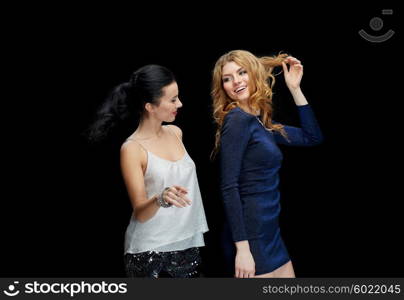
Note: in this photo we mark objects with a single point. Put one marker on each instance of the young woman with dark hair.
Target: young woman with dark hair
(168, 221)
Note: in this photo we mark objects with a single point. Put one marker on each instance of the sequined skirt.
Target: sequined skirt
(155, 264)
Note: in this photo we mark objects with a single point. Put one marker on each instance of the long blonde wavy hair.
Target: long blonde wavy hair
(260, 84)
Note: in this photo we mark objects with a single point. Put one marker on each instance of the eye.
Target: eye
(242, 72)
(226, 79)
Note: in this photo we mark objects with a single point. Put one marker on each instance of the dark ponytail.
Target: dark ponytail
(125, 105)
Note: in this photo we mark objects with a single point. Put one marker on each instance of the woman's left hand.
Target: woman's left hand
(294, 75)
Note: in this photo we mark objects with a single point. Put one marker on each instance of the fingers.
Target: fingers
(285, 68)
(244, 272)
(293, 62)
(181, 192)
(177, 197)
(239, 273)
(180, 188)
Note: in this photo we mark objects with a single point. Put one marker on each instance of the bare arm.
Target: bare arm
(298, 97)
(293, 77)
(132, 159)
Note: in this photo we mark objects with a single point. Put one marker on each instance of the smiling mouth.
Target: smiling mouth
(240, 90)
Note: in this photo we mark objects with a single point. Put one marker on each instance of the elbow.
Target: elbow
(316, 140)
(228, 187)
(227, 191)
(141, 218)
(319, 139)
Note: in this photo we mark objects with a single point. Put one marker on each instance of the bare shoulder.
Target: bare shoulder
(176, 129)
(132, 152)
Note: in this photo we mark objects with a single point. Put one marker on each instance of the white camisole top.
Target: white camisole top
(172, 228)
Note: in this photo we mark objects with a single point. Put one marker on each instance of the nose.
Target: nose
(237, 80)
(179, 103)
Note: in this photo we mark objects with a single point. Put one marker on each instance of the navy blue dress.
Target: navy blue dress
(250, 161)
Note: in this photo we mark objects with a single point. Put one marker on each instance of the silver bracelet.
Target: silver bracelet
(160, 200)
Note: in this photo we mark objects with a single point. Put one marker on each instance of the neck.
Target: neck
(149, 128)
(244, 106)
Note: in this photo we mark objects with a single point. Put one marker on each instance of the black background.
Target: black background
(64, 207)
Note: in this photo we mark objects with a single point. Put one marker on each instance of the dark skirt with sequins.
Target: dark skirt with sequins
(156, 264)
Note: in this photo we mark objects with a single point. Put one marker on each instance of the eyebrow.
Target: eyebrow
(236, 72)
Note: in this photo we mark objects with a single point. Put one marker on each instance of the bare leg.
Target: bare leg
(284, 271)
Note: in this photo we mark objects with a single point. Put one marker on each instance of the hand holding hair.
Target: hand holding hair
(294, 74)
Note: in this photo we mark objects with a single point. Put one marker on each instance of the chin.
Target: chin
(243, 99)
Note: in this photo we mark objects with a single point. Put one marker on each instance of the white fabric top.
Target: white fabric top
(172, 228)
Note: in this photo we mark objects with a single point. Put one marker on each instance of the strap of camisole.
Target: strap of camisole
(173, 132)
(131, 139)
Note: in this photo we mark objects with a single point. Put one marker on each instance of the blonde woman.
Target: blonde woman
(250, 159)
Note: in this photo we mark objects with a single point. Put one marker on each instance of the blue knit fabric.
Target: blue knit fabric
(250, 160)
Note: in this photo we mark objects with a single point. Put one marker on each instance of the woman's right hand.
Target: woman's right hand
(176, 195)
(244, 265)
